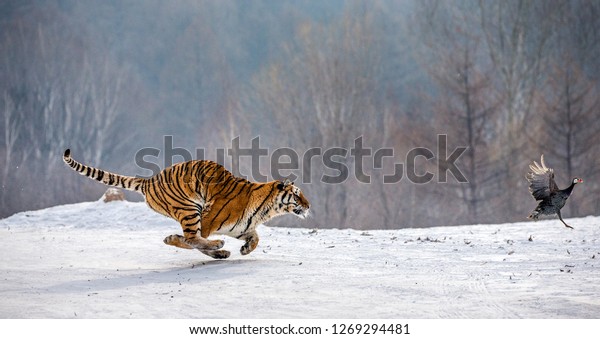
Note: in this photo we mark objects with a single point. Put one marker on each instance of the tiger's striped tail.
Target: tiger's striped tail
(107, 178)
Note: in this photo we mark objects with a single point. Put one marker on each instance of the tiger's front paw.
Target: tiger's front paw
(173, 240)
(248, 247)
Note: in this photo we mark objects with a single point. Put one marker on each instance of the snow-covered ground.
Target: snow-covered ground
(107, 260)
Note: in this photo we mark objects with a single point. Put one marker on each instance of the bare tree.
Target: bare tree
(11, 127)
(466, 108)
(454, 56)
(567, 128)
(57, 93)
(517, 35)
(326, 96)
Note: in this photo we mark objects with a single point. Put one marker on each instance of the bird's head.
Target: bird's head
(577, 180)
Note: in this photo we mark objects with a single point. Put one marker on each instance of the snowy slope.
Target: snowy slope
(97, 260)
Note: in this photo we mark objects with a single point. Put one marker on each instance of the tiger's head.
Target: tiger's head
(291, 200)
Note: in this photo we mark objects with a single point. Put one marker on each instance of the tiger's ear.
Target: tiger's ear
(284, 184)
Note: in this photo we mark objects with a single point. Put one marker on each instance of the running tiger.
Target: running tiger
(207, 199)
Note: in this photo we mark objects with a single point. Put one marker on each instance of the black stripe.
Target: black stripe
(188, 208)
(221, 210)
(176, 187)
(226, 189)
(224, 221)
(191, 216)
(285, 195)
(265, 212)
(193, 223)
(166, 191)
(258, 209)
(160, 201)
(223, 187)
(100, 175)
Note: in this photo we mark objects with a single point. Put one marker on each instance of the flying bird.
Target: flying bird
(544, 189)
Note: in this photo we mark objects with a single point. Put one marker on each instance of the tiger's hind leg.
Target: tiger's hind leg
(193, 243)
(191, 238)
(179, 241)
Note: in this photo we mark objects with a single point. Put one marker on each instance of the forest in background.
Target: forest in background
(510, 80)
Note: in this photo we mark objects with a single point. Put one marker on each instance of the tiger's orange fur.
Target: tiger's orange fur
(207, 199)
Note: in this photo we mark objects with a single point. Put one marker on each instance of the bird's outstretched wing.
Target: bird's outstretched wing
(541, 180)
